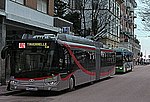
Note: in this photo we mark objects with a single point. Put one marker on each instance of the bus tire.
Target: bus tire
(71, 84)
(131, 68)
(125, 70)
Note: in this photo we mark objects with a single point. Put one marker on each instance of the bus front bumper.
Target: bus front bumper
(33, 87)
(119, 69)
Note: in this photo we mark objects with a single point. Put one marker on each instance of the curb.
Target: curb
(5, 92)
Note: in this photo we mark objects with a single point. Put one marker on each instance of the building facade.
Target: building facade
(127, 37)
(112, 37)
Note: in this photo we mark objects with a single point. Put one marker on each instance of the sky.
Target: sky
(141, 33)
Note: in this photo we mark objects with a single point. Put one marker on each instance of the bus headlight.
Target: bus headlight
(51, 83)
(13, 82)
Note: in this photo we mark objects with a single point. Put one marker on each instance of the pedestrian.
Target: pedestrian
(137, 61)
(141, 61)
(8, 86)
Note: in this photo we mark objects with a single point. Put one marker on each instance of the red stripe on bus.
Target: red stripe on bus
(107, 50)
(78, 63)
(40, 78)
(67, 77)
(84, 47)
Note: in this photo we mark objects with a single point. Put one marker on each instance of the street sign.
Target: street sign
(66, 30)
(22, 45)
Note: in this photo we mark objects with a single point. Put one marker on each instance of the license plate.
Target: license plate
(31, 89)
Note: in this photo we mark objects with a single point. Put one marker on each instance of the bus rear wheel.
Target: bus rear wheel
(71, 84)
(131, 68)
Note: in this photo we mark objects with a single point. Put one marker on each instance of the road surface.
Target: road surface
(130, 87)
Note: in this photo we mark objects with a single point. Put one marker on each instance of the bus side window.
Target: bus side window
(64, 60)
(67, 59)
(61, 58)
(5, 52)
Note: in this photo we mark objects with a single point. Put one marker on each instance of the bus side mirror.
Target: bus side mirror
(4, 52)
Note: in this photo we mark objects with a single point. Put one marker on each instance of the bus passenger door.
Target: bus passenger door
(64, 60)
(64, 66)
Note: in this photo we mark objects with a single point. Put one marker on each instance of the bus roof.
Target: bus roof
(75, 39)
(121, 50)
(124, 51)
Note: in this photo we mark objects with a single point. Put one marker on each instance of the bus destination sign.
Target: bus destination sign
(23, 45)
(38, 44)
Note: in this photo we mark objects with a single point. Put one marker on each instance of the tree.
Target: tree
(74, 17)
(89, 17)
(60, 8)
(145, 14)
(95, 18)
(100, 17)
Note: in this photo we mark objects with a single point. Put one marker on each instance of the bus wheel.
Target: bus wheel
(125, 70)
(131, 68)
(71, 84)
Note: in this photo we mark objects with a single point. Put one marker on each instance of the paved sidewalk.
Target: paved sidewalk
(3, 89)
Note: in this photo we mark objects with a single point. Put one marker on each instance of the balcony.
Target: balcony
(128, 5)
(127, 33)
(130, 20)
(135, 25)
(131, 9)
(2, 12)
(2, 4)
(135, 16)
(121, 1)
(134, 3)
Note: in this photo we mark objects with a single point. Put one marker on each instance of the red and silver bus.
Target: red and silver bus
(58, 63)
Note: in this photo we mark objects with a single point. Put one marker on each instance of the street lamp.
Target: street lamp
(143, 19)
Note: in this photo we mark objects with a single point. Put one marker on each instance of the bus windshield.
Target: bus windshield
(119, 59)
(35, 62)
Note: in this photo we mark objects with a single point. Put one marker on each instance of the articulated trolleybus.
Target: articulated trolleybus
(45, 63)
(124, 60)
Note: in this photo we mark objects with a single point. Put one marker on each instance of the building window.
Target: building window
(42, 5)
(19, 1)
(117, 10)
